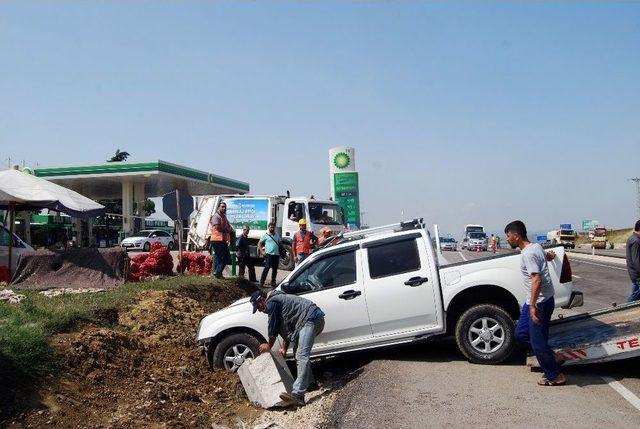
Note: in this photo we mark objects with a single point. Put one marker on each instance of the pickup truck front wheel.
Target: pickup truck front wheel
(485, 334)
(232, 351)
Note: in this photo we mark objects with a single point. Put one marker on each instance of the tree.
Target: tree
(119, 156)
(149, 207)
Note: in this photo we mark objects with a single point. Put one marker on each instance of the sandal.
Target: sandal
(545, 382)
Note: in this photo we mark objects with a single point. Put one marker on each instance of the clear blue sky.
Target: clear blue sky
(462, 113)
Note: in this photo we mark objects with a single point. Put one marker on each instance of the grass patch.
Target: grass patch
(26, 328)
(619, 235)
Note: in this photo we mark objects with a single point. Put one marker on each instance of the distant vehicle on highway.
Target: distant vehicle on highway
(472, 228)
(565, 236)
(143, 240)
(478, 240)
(599, 239)
(464, 243)
(448, 244)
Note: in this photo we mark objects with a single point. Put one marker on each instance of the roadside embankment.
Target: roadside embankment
(123, 358)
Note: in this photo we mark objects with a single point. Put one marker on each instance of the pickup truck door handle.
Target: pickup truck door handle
(416, 281)
(349, 294)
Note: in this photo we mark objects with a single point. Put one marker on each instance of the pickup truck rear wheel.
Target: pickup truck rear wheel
(485, 334)
(232, 350)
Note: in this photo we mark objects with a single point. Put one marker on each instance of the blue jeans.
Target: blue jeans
(301, 257)
(536, 337)
(306, 338)
(635, 291)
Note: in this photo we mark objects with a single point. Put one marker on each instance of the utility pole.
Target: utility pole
(637, 181)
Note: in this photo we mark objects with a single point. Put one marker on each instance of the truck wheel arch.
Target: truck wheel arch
(211, 343)
(483, 294)
(235, 330)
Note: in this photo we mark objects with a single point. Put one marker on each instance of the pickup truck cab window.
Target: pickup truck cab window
(335, 270)
(393, 258)
(334, 282)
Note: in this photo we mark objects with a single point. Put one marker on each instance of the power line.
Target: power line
(637, 181)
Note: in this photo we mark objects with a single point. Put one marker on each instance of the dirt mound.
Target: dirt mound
(145, 371)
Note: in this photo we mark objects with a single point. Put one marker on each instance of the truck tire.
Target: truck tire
(232, 350)
(485, 334)
(287, 263)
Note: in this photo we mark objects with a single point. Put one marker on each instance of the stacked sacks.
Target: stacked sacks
(5, 276)
(158, 262)
(195, 263)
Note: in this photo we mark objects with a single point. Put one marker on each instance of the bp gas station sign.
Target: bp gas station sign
(346, 195)
(344, 182)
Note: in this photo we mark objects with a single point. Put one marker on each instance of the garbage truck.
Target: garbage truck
(257, 211)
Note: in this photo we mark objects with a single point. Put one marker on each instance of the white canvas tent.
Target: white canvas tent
(21, 191)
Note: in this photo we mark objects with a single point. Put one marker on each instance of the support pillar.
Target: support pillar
(92, 237)
(26, 216)
(127, 207)
(77, 226)
(138, 193)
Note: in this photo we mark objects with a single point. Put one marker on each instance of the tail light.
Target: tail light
(565, 274)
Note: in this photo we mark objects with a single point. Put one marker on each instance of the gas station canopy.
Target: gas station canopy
(106, 181)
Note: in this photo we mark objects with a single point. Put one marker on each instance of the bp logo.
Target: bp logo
(341, 160)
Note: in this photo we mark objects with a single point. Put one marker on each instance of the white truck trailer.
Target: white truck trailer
(256, 211)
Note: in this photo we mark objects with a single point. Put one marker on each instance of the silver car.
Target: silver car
(477, 240)
(448, 244)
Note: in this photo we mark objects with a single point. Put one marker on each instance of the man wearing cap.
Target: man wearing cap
(297, 320)
(303, 241)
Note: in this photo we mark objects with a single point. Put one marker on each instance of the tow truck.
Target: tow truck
(604, 335)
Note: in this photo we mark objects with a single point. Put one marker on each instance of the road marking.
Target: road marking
(462, 256)
(575, 277)
(623, 391)
(600, 265)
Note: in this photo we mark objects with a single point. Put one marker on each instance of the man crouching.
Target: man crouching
(296, 320)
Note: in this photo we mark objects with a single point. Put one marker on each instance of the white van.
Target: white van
(19, 247)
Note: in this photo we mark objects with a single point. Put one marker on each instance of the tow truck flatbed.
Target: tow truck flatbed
(599, 336)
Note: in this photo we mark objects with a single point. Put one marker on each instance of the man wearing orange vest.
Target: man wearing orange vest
(303, 241)
(220, 239)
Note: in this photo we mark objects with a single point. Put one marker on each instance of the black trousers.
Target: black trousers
(270, 262)
(245, 261)
(222, 257)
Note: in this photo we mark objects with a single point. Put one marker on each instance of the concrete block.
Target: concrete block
(265, 378)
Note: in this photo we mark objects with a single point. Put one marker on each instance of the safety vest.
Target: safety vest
(303, 244)
(224, 224)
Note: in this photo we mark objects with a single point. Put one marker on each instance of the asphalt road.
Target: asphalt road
(431, 385)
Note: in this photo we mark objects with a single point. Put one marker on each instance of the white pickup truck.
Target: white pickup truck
(384, 286)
